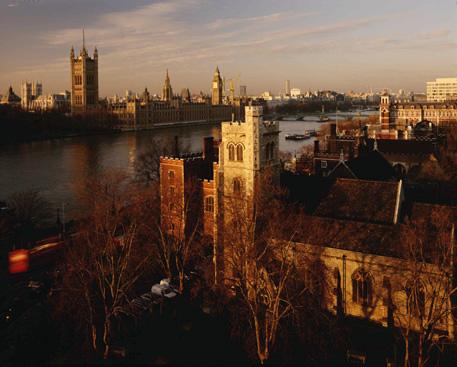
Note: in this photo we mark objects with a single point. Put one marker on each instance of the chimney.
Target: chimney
(208, 148)
(316, 147)
(333, 130)
(176, 146)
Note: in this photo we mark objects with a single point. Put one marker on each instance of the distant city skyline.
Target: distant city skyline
(315, 44)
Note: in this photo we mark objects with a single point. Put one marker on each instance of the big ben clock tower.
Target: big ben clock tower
(216, 96)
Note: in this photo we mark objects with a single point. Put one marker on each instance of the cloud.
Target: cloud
(262, 19)
(145, 41)
(190, 37)
(436, 33)
(22, 2)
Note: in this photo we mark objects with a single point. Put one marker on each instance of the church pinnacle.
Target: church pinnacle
(167, 92)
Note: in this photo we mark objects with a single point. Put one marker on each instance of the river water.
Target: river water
(57, 167)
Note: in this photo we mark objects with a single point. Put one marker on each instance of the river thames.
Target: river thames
(56, 167)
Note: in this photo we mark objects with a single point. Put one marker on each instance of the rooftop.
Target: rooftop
(360, 200)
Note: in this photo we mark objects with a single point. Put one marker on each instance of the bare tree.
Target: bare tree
(260, 265)
(28, 211)
(147, 166)
(178, 244)
(423, 305)
(104, 262)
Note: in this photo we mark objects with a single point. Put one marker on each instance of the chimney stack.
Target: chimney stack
(333, 130)
(176, 146)
(208, 148)
(316, 147)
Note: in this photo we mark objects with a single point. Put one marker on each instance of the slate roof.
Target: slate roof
(431, 212)
(369, 238)
(372, 165)
(398, 146)
(374, 239)
(369, 165)
(360, 200)
(10, 97)
(342, 170)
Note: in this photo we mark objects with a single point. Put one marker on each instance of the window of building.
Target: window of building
(78, 79)
(171, 176)
(312, 280)
(267, 151)
(209, 204)
(231, 149)
(362, 288)
(323, 164)
(415, 298)
(239, 153)
(236, 186)
(171, 192)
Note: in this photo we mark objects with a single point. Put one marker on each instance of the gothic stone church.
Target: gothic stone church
(357, 233)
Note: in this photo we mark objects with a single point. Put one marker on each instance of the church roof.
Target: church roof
(361, 200)
(372, 165)
(10, 97)
(427, 212)
(375, 239)
(369, 238)
(342, 170)
(429, 169)
(413, 146)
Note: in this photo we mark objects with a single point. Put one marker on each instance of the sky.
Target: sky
(316, 44)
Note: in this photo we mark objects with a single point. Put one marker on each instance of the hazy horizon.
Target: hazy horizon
(315, 44)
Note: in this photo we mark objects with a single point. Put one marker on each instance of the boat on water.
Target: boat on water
(297, 136)
(322, 117)
(311, 133)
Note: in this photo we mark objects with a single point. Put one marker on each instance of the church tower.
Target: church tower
(248, 149)
(84, 80)
(167, 92)
(248, 158)
(216, 95)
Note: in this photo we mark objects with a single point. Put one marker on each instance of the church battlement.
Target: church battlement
(183, 157)
(207, 182)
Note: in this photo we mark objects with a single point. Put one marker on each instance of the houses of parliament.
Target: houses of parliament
(144, 112)
(84, 81)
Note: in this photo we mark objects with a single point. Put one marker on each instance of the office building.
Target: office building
(442, 90)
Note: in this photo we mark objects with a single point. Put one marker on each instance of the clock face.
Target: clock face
(214, 84)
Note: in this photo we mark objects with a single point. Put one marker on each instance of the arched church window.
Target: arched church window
(272, 150)
(236, 186)
(231, 149)
(267, 151)
(415, 298)
(362, 288)
(209, 204)
(239, 153)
